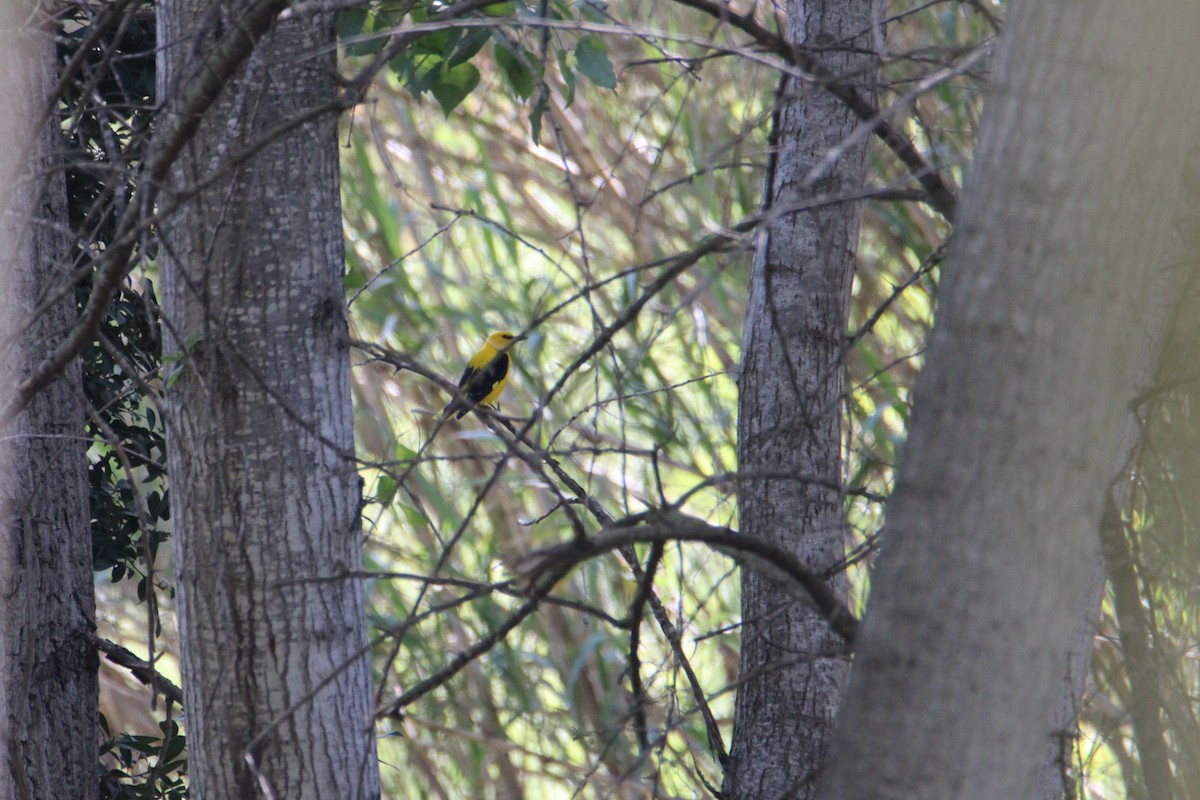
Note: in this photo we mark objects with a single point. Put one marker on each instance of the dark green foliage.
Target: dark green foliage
(106, 112)
(438, 63)
(514, 61)
(136, 767)
(106, 116)
(128, 340)
(443, 62)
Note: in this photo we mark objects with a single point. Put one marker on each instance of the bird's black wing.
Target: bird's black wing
(466, 376)
(477, 384)
(456, 403)
(481, 382)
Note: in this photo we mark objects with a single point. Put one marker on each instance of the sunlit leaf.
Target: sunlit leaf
(454, 86)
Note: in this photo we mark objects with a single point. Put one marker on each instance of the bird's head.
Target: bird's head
(502, 339)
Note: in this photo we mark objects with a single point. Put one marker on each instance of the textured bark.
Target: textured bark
(264, 491)
(792, 667)
(48, 689)
(1057, 772)
(1019, 414)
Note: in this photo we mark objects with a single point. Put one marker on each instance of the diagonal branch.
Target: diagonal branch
(139, 668)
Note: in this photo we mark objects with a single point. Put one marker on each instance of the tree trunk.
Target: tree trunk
(1020, 413)
(48, 688)
(793, 667)
(265, 495)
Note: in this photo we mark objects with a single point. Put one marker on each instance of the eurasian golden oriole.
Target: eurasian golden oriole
(485, 375)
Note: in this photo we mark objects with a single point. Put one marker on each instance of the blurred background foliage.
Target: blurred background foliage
(536, 169)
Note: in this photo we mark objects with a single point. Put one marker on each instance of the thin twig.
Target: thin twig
(942, 196)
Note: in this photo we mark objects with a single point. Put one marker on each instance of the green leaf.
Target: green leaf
(420, 72)
(593, 10)
(351, 22)
(440, 43)
(362, 26)
(568, 76)
(385, 490)
(515, 70)
(504, 9)
(535, 116)
(413, 515)
(591, 56)
(456, 83)
(472, 41)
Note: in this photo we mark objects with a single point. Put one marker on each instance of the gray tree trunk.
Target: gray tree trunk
(793, 668)
(1020, 413)
(48, 683)
(265, 495)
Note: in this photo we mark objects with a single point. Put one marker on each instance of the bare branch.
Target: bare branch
(666, 526)
(140, 669)
(941, 195)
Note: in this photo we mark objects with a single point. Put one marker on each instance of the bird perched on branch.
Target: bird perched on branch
(485, 375)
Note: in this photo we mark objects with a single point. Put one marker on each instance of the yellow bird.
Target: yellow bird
(485, 375)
